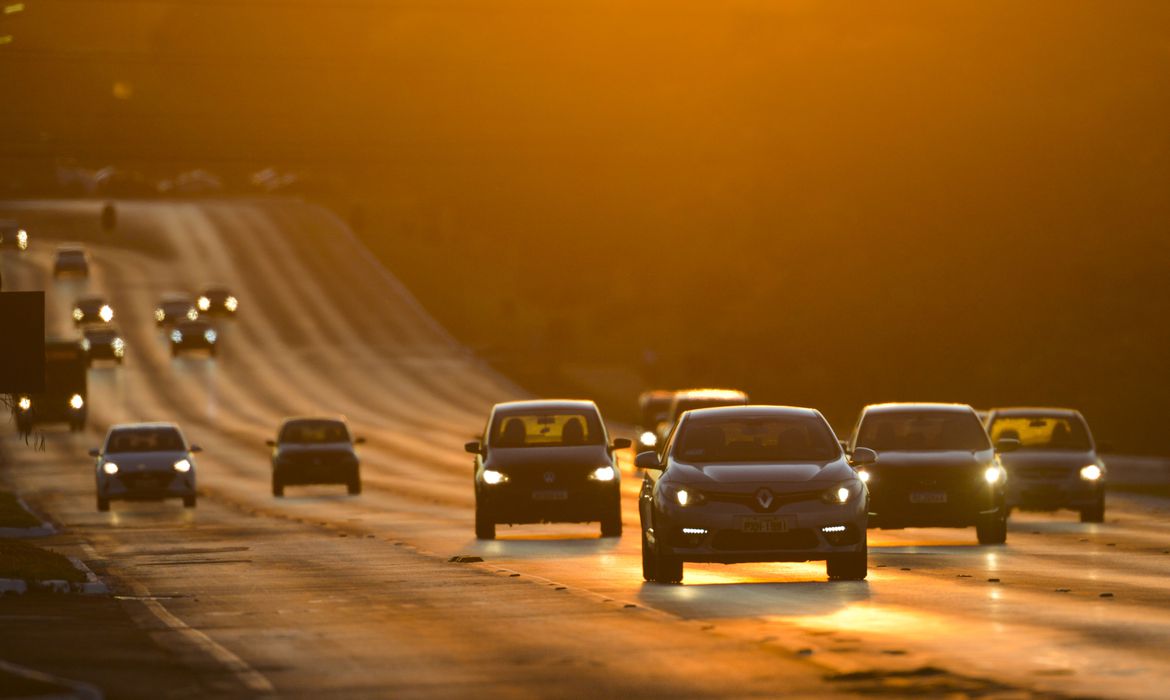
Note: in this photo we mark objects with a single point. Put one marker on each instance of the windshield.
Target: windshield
(913, 431)
(547, 429)
(766, 439)
(1043, 432)
(312, 432)
(145, 440)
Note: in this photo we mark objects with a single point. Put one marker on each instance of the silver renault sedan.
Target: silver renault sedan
(752, 484)
(145, 462)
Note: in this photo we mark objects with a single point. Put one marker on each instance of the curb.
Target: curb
(92, 585)
(70, 690)
(43, 530)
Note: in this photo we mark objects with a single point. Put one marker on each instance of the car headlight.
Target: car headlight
(842, 493)
(22, 239)
(1091, 472)
(492, 477)
(231, 303)
(864, 475)
(76, 402)
(106, 313)
(192, 314)
(160, 315)
(110, 468)
(78, 314)
(183, 465)
(24, 403)
(204, 303)
(994, 474)
(209, 335)
(683, 496)
(176, 336)
(648, 439)
(119, 346)
(85, 344)
(606, 473)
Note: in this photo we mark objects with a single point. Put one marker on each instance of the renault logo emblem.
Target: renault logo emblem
(550, 477)
(764, 498)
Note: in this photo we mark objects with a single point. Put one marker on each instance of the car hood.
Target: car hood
(131, 462)
(542, 457)
(314, 448)
(937, 459)
(752, 473)
(1048, 458)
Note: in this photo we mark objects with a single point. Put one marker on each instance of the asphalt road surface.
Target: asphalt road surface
(323, 593)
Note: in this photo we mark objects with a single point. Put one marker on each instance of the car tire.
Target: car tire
(1094, 513)
(188, 501)
(667, 567)
(277, 488)
(103, 504)
(853, 566)
(354, 487)
(611, 525)
(992, 530)
(649, 563)
(485, 527)
(174, 351)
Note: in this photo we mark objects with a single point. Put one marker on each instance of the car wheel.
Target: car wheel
(277, 488)
(103, 504)
(485, 528)
(188, 501)
(992, 530)
(611, 525)
(649, 563)
(669, 568)
(853, 566)
(1094, 513)
(354, 487)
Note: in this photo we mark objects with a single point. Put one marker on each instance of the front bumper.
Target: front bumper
(146, 485)
(896, 506)
(520, 504)
(48, 415)
(1049, 494)
(303, 474)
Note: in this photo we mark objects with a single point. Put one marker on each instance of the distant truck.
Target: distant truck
(66, 389)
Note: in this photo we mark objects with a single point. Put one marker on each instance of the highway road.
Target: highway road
(322, 593)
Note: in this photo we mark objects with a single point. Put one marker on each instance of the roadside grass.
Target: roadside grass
(20, 560)
(1159, 490)
(12, 514)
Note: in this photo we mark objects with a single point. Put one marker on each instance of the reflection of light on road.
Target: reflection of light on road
(876, 619)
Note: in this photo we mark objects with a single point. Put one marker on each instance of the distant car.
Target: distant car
(1056, 465)
(193, 335)
(145, 461)
(70, 261)
(66, 389)
(315, 451)
(217, 301)
(103, 343)
(935, 467)
(174, 308)
(752, 484)
(12, 236)
(653, 408)
(92, 309)
(546, 462)
(690, 399)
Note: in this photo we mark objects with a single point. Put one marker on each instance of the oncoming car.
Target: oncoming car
(174, 308)
(13, 236)
(71, 261)
(690, 399)
(752, 484)
(145, 461)
(92, 309)
(217, 301)
(1056, 465)
(653, 409)
(546, 462)
(315, 451)
(193, 335)
(103, 343)
(935, 467)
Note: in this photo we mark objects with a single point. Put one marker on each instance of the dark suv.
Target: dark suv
(315, 451)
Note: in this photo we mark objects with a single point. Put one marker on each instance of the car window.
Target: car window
(922, 431)
(547, 429)
(756, 439)
(1042, 432)
(145, 440)
(310, 432)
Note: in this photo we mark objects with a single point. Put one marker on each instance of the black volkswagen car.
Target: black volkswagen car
(935, 467)
(546, 462)
(315, 451)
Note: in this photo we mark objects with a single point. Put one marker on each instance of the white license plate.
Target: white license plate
(550, 495)
(766, 524)
(928, 497)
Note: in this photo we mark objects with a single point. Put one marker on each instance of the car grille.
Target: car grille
(147, 481)
(736, 541)
(561, 477)
(749, 500)
(1042, 472)
(320, 459)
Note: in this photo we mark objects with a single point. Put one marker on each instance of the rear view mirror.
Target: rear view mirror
(95, 453)
(359, 441)
(622, 443)
(474, 448)
(1006, 444)
(270, 443)
(647, 460)
(863, 455)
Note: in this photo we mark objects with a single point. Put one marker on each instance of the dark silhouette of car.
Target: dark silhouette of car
(174, 308)
(690, 399)
(144, 462)
(189, 336)
(12, 236)
(70, 261)
(546, 461)
(653, 408)
(311, 450)
(1056, 465)
(752, 484)
(103, 343)
(935, 467)
(217, 301)
(92, 309)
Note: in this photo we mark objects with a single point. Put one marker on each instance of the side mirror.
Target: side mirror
(474, 448)
(863, 455)
(647, 460)
(1006, 444)
(622, 443)
(195, 448)
(95, 453)
(359, 441)
(270, 443)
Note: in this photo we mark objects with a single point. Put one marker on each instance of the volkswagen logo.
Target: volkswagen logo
(764, 498)
(550, 477)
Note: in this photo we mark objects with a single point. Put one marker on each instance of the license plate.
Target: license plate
(928, 497)
(771, 524)
(550, 495)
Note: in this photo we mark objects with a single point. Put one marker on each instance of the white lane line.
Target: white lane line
(251, 678)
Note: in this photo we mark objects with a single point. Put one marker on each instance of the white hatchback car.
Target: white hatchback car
(145, 462)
